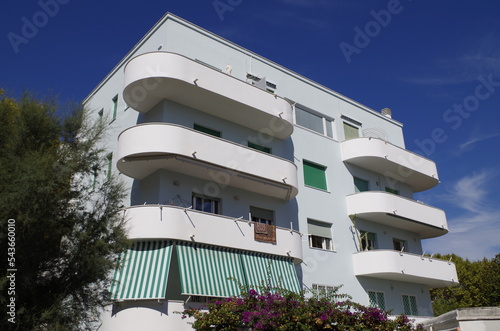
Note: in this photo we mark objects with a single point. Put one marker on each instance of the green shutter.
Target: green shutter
(206, 130)
(319, 229)
(390, 190)
(259, 147)
(143, 271)
(314, 175)
(360, 185)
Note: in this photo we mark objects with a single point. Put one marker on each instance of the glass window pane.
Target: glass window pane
(350, 131)
(309, 120)
(329, 128)
(360, 185)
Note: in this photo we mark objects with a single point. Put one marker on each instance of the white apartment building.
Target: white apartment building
(238, 167)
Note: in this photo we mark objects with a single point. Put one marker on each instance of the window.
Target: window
(399, 245)
(410, 305)
(101, 114)
(323, 289)
(350, 131)
(320, 235)
(259, 147)
(361, 185)
(329, 127)
(208, 205)
(314, 175)
(390, 190)
(260, 215)
(109, 157)
(368, 240)
(206, 130)
(313, 122)
(377, 299)
(115, 107)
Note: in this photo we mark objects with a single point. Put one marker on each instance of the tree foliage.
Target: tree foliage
(68, 229)
(278, 309)
(479, 285)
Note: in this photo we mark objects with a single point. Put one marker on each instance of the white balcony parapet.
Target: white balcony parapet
(399, 212)
(405, 267)
(154, 76)
(391, 161)
(147, 222)
(145, 148)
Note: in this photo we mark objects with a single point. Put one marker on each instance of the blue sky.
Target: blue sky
(436, 64)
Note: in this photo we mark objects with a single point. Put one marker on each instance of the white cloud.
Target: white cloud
(474, 233)
(469, 144)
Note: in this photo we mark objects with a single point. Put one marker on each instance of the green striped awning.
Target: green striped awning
(204, 270)
(143, 272)
(275, 271)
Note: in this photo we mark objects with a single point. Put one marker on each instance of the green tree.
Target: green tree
(479, 285)
(63, 213)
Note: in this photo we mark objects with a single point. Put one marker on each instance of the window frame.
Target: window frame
(312, 182)
(376, 302)
(319, 240)
(207, 130)
(260, 219)
(401, 242)
(366, 243)
(356, 190)
(115, 107)
(260, 148)
(327, 128)
(412, 305)
(351, 126)
(215, 203)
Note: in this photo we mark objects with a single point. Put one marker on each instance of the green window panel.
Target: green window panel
(314, 175)
(206, 130)
(361, 185)
(259, 147)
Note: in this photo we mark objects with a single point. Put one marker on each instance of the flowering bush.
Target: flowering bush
(285, 310)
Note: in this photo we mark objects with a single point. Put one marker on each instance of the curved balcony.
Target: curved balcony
(151, 77)
(391, 161)
(405, 267)
(172, 222)
(143, 149)
(399, 212)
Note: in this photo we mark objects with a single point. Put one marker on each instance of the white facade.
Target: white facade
(313, 163)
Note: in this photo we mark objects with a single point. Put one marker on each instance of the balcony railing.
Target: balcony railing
(399, 212)
(145, 148)
(154, 76)
(391, 161)
(405, 267)
(172, 222)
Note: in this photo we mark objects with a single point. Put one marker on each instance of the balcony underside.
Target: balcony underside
(405, 267)
(398, 212)
(152, 77)
(391, 161)
(144, 149)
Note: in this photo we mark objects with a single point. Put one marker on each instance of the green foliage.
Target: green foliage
(278, 309)
(479, 285)
(67, 226)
